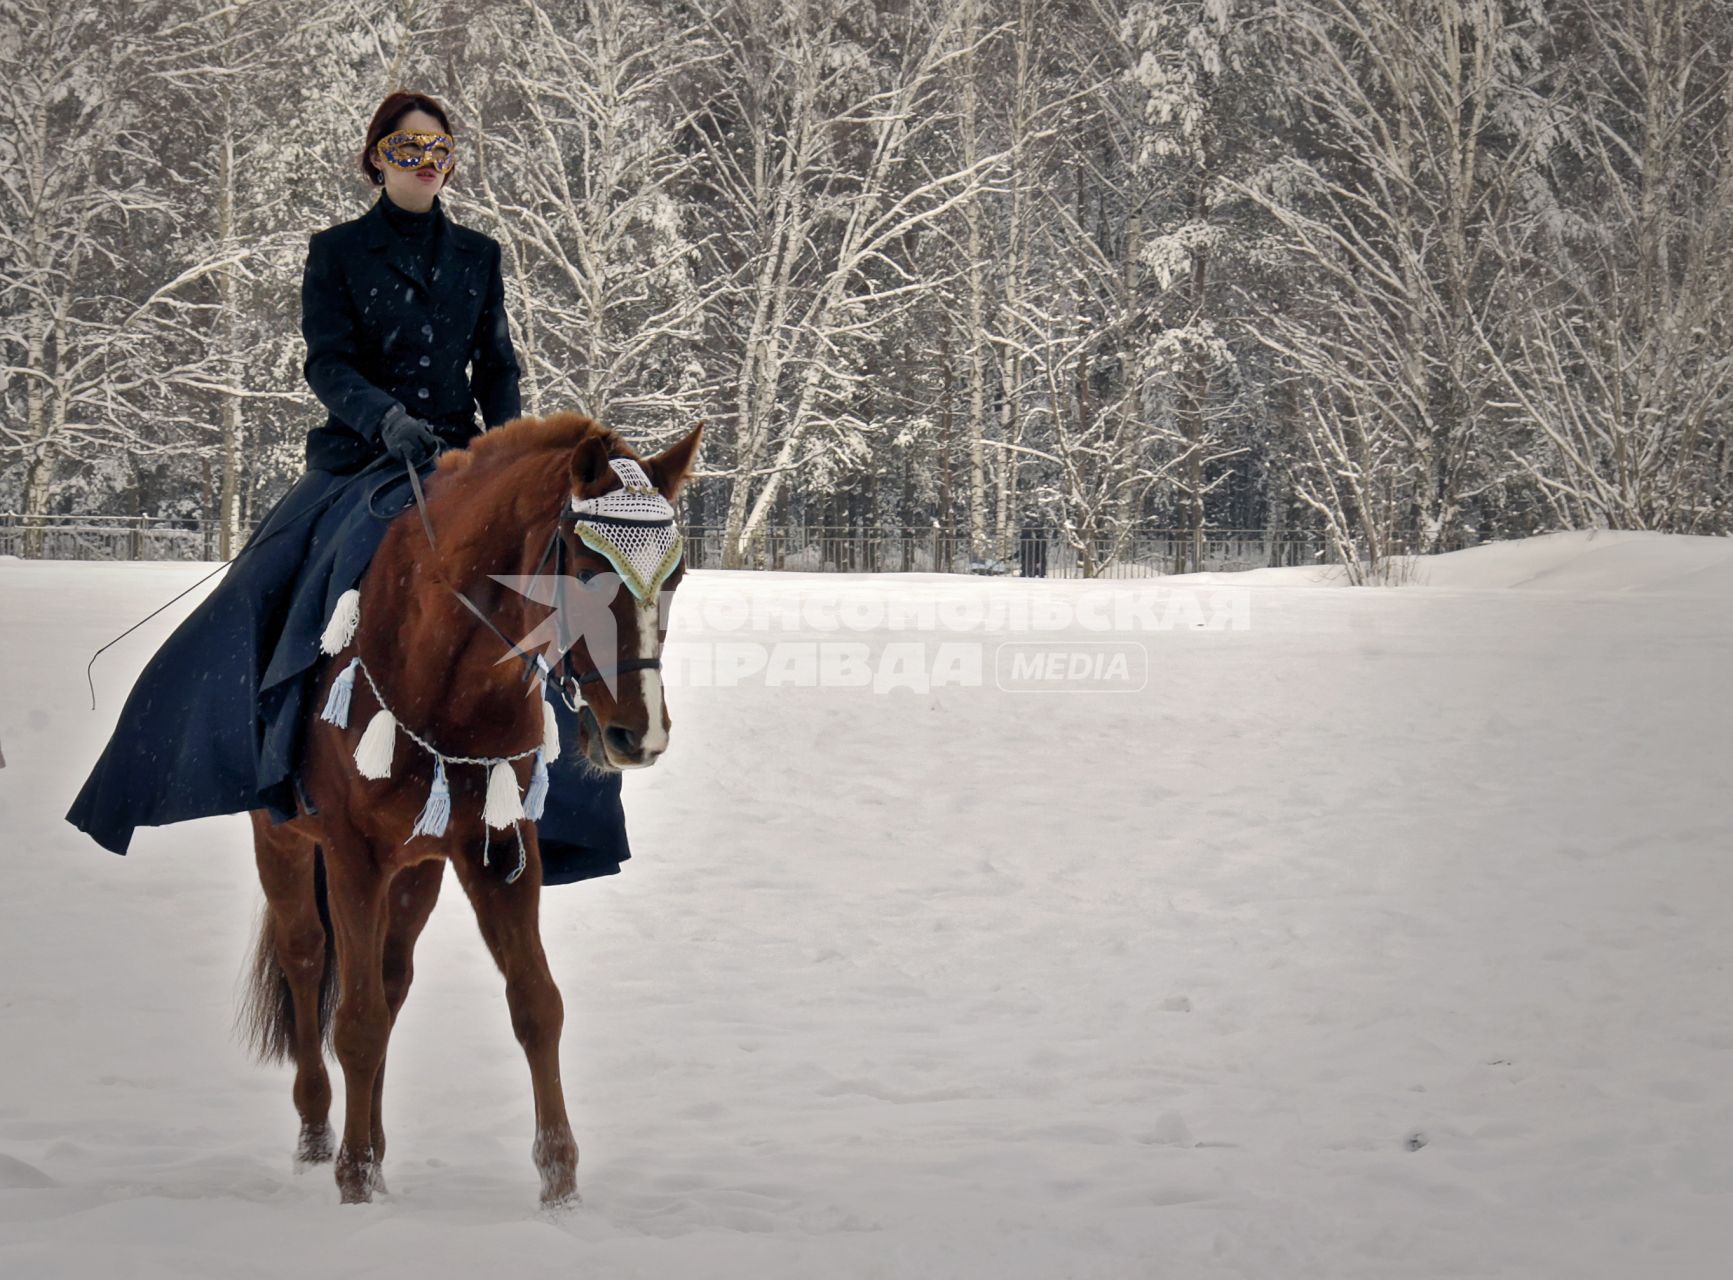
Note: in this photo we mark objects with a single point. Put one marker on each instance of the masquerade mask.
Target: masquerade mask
(632, 528)
(407, 149)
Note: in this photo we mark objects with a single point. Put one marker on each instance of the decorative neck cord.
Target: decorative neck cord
(633, 529)
(503, 806)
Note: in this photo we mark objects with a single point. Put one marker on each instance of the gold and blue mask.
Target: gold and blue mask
(412, 149)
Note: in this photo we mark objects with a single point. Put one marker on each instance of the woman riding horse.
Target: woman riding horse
(393, 305)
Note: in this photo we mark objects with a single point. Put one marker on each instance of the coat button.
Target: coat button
(422, 393)
(425, 361)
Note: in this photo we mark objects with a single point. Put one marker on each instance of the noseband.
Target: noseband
(562, 676)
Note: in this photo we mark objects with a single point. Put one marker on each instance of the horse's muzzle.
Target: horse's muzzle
(625, 748)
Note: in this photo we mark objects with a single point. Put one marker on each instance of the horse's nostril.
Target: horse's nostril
(625, 742)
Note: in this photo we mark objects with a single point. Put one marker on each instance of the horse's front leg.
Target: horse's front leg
(362, 1024)
(409, 902)
(508, 916)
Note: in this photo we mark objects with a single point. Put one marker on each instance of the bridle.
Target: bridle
(562, 675)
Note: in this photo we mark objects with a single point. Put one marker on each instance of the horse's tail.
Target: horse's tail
(267, 1019)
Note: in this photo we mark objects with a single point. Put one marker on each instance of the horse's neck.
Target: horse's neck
(472, 703)
(445, 661)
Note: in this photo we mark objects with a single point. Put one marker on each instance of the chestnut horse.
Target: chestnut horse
(347, 890)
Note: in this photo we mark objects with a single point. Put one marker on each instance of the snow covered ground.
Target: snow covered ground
(1379, 933)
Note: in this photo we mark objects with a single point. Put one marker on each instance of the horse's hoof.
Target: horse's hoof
(559, 1188)
(376, 1180)
(559, 1204)
(556, 1156)
(354, 1177)
(315, 1146)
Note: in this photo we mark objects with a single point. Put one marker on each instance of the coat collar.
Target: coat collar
(449, 240)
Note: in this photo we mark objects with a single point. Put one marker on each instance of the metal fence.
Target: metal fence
(108, 537)
(816, 549)
(1033, 553)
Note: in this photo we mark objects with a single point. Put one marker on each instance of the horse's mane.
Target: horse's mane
(511, 442)
(515, 475)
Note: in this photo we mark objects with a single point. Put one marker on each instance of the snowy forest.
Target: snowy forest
(1405, 274)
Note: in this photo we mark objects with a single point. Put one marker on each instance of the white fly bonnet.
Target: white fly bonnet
(632, 528)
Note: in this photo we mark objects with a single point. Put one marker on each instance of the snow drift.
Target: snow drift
(1381, 936)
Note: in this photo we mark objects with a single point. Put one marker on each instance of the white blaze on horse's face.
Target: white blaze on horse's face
(650, 646)
(628, 742)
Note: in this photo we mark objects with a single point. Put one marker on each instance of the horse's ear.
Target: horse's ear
(589, 464)
(668, 470)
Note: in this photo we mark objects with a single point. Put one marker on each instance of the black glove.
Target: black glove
(407, 438)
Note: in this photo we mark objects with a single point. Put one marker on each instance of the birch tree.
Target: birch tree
(72, 191)
(1404, 273)
(580, 168)
(1425, 116)
(217, 77)
(1189, 125)
(977, 341)
(1619, 353)
(813, 140)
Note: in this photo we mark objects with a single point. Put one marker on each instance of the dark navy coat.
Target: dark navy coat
(378, 333)
(214, 723)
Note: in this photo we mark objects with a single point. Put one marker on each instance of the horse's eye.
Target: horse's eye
(584, 575)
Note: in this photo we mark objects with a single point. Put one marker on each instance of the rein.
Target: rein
(569, 683)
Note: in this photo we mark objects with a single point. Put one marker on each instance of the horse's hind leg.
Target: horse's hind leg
(363, 1022)
(507, 914)
(410, 902)
(293, 983)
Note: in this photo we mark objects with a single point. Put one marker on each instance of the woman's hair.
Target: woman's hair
(394, 108)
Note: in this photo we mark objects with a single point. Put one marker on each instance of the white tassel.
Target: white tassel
(344, 619)
(536, 797)
(504, 805)
(550, 732)
(436, 813)
(337, 702)
(373, 753)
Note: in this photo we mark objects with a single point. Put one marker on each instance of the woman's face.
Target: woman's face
(413, 188)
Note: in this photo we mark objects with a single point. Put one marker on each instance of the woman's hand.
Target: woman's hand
(407, 438)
